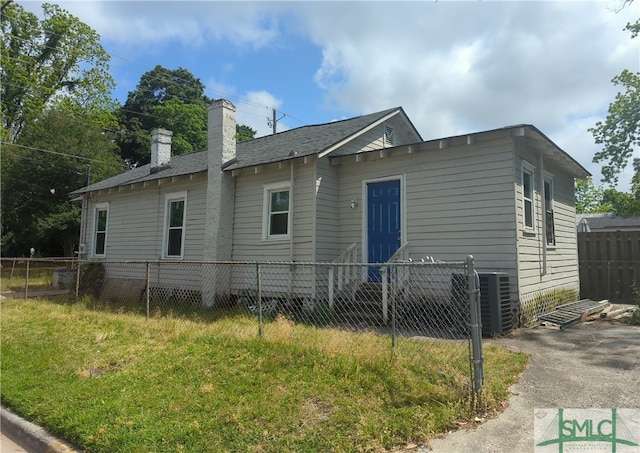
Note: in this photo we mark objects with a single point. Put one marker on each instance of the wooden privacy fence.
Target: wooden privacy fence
(609, 265)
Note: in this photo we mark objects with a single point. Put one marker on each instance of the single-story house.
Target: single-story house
(505, 196)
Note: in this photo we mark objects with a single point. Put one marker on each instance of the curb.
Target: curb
(30, 436)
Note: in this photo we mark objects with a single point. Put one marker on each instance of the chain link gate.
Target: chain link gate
(425, 314)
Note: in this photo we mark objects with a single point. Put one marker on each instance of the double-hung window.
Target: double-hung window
(175, 224)
(550, 231)
(276, 223)
(528, 197)
(101, 216)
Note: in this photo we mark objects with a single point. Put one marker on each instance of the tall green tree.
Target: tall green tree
(592, 199)
(171, 99)
(244, 133)
(619, 133)
(588, 197)
(56, 61)
(188, 123)
(54, 156)
(622, 203)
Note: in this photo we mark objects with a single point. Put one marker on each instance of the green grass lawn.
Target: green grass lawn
(16, 281)
(117, 382)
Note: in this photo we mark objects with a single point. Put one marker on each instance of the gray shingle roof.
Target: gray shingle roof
(303, 141)
(606, 220)
(180, 165)
(299, 142)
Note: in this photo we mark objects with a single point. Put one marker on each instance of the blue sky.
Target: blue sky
(454, 66)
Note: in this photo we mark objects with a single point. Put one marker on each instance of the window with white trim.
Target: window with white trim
(528, 208)
(276, 219)
(550, 231)
(175, 225)
(101, 217)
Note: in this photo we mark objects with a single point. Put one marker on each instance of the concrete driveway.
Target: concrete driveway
(588, 365)
(9, 446)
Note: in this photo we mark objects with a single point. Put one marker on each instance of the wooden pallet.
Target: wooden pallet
(572, 313)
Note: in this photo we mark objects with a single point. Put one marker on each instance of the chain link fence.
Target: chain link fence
(416, 313)
(22, 277)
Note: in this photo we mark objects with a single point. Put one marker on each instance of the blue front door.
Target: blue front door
(383, 223)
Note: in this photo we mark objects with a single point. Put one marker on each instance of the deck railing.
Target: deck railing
(345, 275)
(402, 255)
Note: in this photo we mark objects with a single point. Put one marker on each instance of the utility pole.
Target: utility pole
(273, 122)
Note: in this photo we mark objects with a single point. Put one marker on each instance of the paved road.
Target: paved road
(9, 446)
(588, 365)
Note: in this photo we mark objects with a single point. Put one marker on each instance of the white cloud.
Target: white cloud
(464, 67)
(148, 24)
(217, 90)
(455, 67)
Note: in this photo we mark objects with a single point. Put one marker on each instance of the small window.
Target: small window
(389, 138)
(550, 231)
(100, 238)
(175, 221)
(276, 209)
(527, 197)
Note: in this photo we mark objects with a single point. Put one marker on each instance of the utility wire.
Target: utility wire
(52, 152)
(58, 169)
(122, 132)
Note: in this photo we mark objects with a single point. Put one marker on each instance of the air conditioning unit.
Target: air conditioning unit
(495, 303)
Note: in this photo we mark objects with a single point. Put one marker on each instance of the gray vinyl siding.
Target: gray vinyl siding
(459, 201)
(327, 219)
(562, 260)
(248, 244)
(304, 208)
(135, 224)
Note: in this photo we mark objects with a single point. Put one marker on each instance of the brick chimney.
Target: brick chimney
(160, 149)
(221, 131)
(221, 127)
